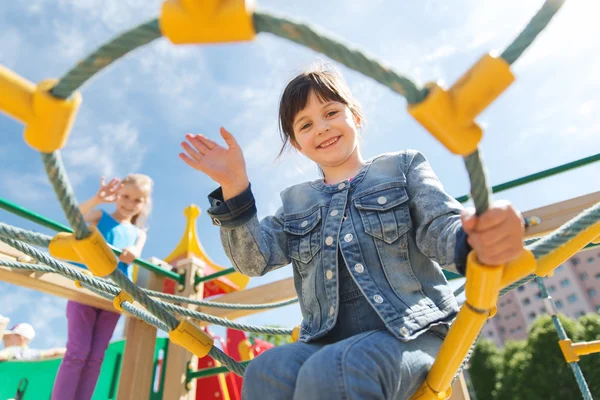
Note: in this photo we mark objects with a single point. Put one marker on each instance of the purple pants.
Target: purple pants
(90, 330)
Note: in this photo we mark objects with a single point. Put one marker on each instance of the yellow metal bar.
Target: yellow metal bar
(481, 290)
(462, 334)
(571, 351)
(16, 95)
(585, 348)
(550, 261)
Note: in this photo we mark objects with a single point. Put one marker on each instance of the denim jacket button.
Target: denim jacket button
(304, 224)
(216, 222)
(404, 331)
(329, 274)
(381, 200)
(348, 237)
(341, 185)
(333, 213)
(329, 241)
(378, 299)
(331, 311)
(359, 268)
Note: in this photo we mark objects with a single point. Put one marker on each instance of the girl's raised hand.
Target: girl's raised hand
(108, 192)
(225, 165)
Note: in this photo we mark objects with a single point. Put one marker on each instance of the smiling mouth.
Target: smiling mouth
(329, 143)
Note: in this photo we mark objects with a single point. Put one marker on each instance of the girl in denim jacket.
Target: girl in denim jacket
(366, 244)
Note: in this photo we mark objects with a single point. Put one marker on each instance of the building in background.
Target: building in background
(575, 289)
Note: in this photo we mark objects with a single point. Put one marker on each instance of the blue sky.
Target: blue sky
(135, 114)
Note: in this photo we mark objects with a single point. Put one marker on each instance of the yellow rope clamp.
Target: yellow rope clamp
(295, 333)
(207, 21)
(47, 119)
(85, 272)
(449, 114)
(120, 298)
(572, 351)
(91, 251)
(192, 338)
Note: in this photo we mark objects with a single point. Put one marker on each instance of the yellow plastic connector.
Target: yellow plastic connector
(85, 272)
(47, 119)
(17, 95)
(91, 251)
(192, 338)
(120, 298)
(483, 283)
(450, 114)
(572, 351)
(207, 21)
(53, 117)
(296, 333)
(519, 268)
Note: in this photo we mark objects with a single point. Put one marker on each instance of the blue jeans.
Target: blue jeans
(358, 359)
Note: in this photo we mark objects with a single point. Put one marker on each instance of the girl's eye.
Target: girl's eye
(332, 113)
(305, 126)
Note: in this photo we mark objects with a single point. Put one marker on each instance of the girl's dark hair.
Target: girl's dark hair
(326, 83)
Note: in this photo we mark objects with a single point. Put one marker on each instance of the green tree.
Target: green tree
(590, 364)
(536, 368)
(487, 361)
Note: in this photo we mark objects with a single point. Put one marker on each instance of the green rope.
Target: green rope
(57, 266)
(353, 58)
(224, 322)
(480, 190)
(42, 240)
(31, 216)
(214, 304)
(538, 176)
(64, 191)
(104, 56)
(532, 30)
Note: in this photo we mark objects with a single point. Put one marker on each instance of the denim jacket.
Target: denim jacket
(395, 227)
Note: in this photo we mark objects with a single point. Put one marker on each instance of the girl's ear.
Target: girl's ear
(357, 120)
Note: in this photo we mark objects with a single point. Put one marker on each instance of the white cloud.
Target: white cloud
(112, 149)
(11, 46)
(25, 187)
(441, 52)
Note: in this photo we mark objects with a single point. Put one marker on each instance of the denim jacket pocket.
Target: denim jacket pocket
(304, 235)
(384, 212)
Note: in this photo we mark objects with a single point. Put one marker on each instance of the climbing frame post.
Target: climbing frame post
(138, 359)
(179, 359)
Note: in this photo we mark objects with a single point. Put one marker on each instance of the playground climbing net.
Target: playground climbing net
(48, 110)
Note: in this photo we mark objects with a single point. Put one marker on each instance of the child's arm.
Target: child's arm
(107, 193)
(132, 252)
(496, 235)
(253, 247)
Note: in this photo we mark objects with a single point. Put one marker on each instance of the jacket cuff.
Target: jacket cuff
(461, 251)
(234, 212)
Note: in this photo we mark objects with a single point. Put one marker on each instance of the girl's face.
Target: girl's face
(326, 132)
(131, 199)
